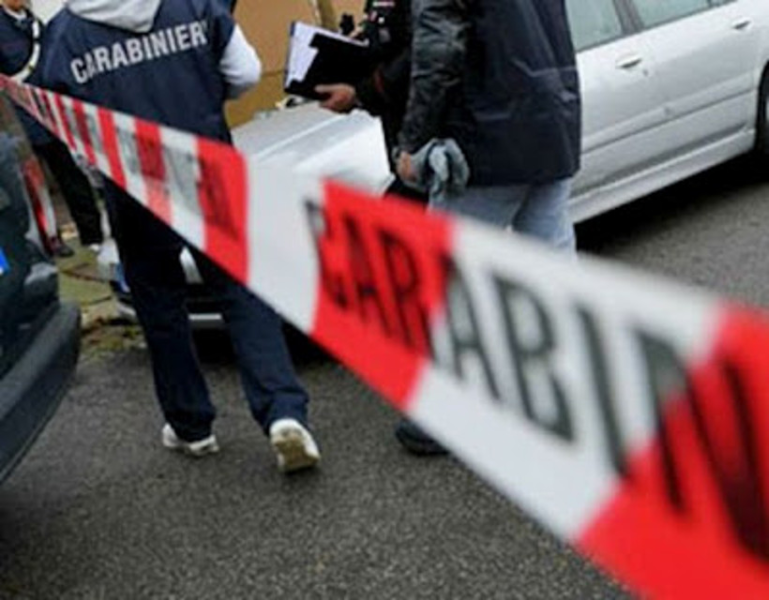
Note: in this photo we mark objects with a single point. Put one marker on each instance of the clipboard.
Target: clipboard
(317, 56)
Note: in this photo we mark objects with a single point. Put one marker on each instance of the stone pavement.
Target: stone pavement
(79, 282)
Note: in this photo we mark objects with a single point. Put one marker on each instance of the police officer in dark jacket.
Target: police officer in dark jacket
(21, 38)
(384, 92)
(176, 62)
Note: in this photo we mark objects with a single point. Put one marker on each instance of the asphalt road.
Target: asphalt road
(99, 510)
(709, 231)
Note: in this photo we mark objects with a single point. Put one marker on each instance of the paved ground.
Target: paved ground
(98, 510)
(709, 232)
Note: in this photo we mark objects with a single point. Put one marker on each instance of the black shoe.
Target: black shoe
(417, 441)
(62, 250)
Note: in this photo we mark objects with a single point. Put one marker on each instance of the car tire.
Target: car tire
(762, 121)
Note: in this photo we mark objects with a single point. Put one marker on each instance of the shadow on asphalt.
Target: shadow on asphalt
(681, 201)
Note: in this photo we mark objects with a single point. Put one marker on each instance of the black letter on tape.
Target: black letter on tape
(363, 276)
(331, 283)
(465, 333)
(528, 355)
(599, 371)
(403, 275)
(738, 476)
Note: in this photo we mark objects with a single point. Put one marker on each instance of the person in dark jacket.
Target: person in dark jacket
(499, 77)
(387, 29)
(176, 62)
(21, 38)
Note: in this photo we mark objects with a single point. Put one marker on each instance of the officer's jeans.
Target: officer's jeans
(540, 211)
(149, 252)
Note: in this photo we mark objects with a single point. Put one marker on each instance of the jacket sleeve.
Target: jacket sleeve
(240, 65)
(438, 52)
(387, 87)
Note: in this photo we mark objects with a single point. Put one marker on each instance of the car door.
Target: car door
(623, 108)
(39, 335)
(14, 255)
(706, 54)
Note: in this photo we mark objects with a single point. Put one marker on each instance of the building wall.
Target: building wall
(266, 24)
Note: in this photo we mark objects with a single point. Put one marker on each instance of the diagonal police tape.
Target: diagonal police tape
(628, 414)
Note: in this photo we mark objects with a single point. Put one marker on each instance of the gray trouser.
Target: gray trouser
(540, 211)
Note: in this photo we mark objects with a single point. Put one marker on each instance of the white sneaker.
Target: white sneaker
(197, 449)
(294, 445)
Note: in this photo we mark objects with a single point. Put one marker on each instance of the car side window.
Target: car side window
(593, 22)
(658, 12)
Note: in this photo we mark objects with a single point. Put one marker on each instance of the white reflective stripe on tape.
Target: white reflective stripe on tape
(283, 267)
(136, 186)
(182, 173)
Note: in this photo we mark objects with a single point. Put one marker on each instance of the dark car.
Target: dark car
(39, 334)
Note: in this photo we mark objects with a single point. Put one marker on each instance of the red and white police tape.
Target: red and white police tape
(628, 414)
(40, 200)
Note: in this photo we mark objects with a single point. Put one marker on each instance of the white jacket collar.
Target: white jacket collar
(132, 15)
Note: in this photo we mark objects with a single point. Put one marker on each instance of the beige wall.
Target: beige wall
(266, 24)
